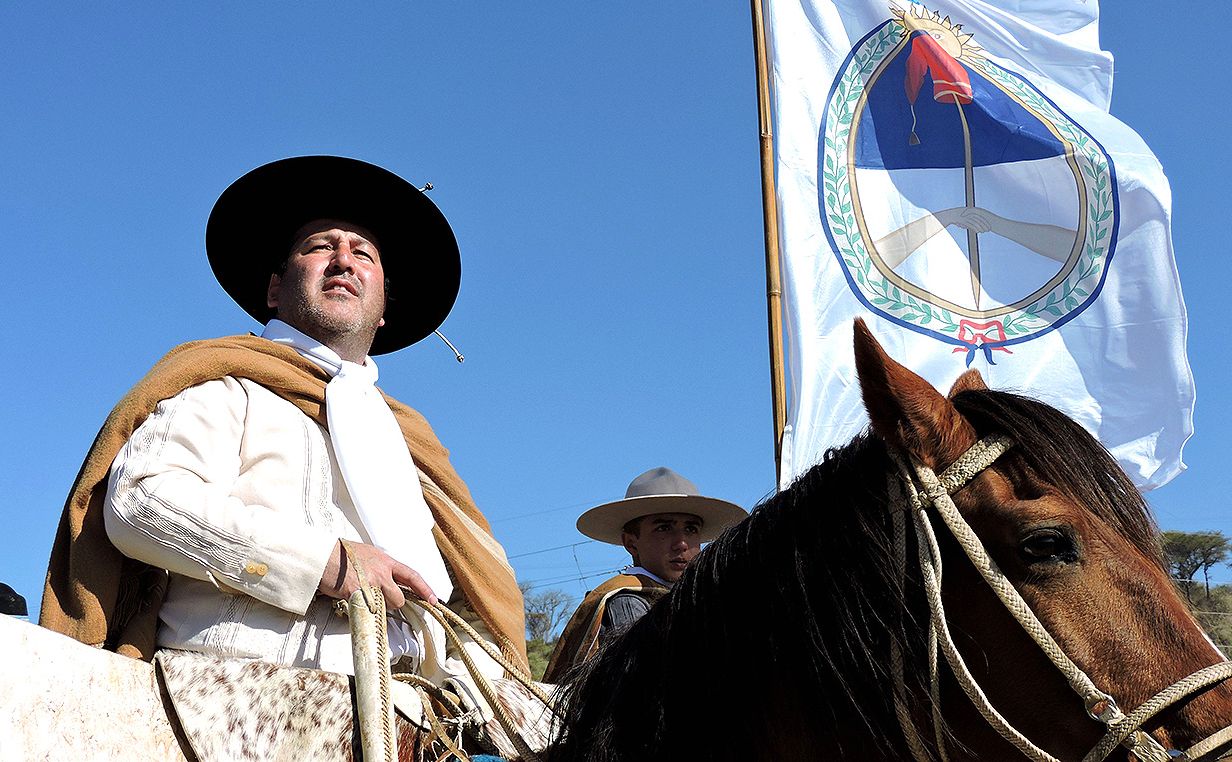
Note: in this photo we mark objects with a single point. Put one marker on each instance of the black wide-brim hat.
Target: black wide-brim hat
(253, 224)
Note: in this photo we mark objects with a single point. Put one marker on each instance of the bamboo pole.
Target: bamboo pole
(770, 216)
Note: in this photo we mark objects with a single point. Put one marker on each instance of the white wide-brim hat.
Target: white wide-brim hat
(659, 490)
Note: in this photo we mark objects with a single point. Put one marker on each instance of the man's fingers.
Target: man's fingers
(410, 579)
(394, 599)
(340, 579)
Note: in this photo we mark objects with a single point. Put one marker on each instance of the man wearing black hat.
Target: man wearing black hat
(211, 512)
(662, 521)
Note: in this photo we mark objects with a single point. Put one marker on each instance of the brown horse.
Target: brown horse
(792, 635)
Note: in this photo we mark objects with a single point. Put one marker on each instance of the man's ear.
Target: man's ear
(271, 293)
(630, 542)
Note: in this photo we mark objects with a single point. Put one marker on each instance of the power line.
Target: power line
(574, 506)
(570, 600)
(571, 577)
(546, 550)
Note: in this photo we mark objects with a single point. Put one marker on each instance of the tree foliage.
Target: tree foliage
(539, 652)
(1187, 553)
(1214, 613)
(545, 612)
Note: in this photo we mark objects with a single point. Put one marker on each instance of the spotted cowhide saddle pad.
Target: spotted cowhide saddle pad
(231, 709)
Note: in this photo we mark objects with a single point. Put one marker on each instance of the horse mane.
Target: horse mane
(783, 616)
(775, 643)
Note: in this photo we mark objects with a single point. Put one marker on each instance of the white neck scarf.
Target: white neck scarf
(376, 465)
(646, 573)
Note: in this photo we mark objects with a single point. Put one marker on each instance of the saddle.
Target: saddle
(231, 709)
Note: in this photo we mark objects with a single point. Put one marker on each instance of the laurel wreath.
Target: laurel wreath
(1066, 296)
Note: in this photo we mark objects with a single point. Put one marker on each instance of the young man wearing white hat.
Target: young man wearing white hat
(210, 513)
(662, 521)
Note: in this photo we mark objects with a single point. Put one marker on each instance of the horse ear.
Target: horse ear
(905, 410)
(970, 381)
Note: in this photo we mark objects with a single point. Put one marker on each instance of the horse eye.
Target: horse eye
(1048, 545)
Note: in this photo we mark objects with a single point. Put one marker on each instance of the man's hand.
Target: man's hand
(340, 580)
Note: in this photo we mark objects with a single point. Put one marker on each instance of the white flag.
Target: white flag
(951, 173)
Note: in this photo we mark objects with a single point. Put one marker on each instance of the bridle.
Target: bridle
(917, 488)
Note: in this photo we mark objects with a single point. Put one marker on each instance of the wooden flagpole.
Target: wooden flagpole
(770, 216)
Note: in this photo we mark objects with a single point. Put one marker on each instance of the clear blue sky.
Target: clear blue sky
(599, 164)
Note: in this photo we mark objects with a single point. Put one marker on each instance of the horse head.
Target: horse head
(1065, 527)
(806, 630)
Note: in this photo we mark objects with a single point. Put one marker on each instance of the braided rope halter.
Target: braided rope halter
(917, 488)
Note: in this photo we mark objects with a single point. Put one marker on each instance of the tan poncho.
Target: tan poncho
(103, 598)
(580, 639)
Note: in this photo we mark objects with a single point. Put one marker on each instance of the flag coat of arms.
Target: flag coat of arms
(950, 171)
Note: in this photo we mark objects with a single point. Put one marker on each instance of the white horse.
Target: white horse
(60, 699)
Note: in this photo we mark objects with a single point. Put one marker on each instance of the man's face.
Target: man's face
(665, 543)
(333, 285)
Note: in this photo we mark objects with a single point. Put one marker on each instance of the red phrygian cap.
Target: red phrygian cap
(951, 83)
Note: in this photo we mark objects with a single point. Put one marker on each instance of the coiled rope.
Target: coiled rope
(369, 634)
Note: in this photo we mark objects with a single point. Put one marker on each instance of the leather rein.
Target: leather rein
(915, 488)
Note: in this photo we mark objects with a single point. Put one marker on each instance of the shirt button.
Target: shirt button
(261, 570)
(251, 568)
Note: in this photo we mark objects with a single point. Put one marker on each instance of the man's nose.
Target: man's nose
(343, 259)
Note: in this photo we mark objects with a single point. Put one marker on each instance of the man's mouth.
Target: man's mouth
(340, 285)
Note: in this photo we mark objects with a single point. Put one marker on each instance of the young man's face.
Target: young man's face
(665, 543)
(333, 284)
